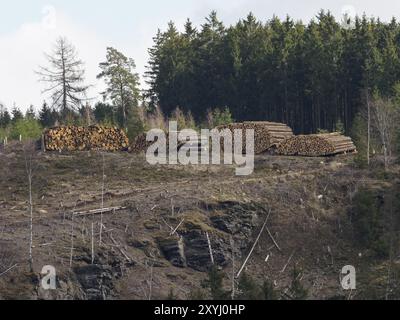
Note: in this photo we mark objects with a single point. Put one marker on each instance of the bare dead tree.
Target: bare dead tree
(102, 200)
(384, 118)
(29, 154)
(64, 76)
(232, 241)
(254, 245)
(92, 241)
(72, 243)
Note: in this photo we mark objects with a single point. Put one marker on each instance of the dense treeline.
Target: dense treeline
(318, 76)
(309, 76)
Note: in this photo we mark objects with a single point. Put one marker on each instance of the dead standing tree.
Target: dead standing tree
(384, 118)
(64, 77)
(29, 156)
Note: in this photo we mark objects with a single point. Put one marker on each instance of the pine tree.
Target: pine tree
(16, 114)
(47, 116)
(5, 118)
(122, 82)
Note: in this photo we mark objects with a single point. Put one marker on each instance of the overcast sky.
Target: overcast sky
(29, 27)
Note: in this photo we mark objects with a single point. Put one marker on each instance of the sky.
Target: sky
(28, 28)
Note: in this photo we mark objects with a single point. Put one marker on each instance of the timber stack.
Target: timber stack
(317, 145)
(140, 144)
(92, 138)
(267, 135)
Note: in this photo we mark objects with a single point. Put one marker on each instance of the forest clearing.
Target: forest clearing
(226, 157)
(156, 222)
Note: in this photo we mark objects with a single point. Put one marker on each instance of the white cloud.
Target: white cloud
(21, 52)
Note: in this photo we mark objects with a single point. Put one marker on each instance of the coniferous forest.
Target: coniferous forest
(309, 76)
(95, 205)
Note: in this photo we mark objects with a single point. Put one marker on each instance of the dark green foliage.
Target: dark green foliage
(214, 284)
(369, 223)
(30, 113)
(171, 295)
(134, 124)
(47, 116)
(248, 289)
(5, 118)
(359, 134)
(118, 72)
(16, 115)
(104, 113)
(219, 117)
(308, 76)
(297, 290)
(269, 293)
(197, 295)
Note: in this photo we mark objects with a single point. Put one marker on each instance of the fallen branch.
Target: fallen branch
(118, 246)
(254, 245)
(287, 263)
(210, 248)
(8, 270)
(98, 211)
(273, 240)
(163, 220)
(176, 229)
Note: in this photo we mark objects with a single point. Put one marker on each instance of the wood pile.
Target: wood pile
(96, 138)
(140, 144)
(317, 145)
(266, 134)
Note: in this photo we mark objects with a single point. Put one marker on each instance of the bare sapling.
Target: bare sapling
(102, 201)
(29, 155)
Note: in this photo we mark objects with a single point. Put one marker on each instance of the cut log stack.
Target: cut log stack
(266, 134)
(140, 144)
(317, 145)
(96, 138)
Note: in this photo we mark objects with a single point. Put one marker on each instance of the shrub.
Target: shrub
(299, 292)
(268, 291)
(214, 284)
(218, 117)
(28, 128)
(248, 289)
(368, 222)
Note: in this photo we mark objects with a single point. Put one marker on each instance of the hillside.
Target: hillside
(157, 242)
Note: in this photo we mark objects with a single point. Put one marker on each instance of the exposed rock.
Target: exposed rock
(173, 250)
(96, 281)
(198, 253)
(192, 251)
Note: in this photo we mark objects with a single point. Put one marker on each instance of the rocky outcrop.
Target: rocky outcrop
(96, 281)
(192, 251)
(173, 250)
(198, 253)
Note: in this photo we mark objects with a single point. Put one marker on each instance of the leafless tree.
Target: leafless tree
(102, 199)
(64, 76)
(29, 154)
(384, 115)
(232, 241)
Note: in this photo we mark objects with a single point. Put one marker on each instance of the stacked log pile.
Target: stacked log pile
(140, 144)
(266, 134)
(96, 138)
(317, 145)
